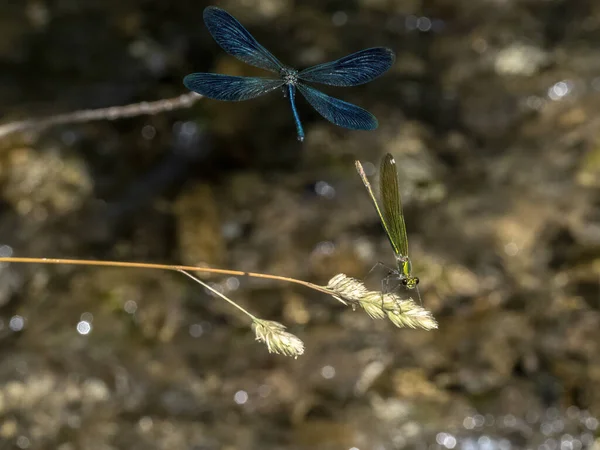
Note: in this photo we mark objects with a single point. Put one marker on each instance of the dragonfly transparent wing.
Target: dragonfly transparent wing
(363, 177)
(341, 113)
(226, 87)
(357, 68)
(237, 41)
(392, 207)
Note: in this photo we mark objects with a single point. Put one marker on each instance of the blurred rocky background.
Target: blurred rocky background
(492, 111)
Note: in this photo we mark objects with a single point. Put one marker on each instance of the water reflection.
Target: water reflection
(570, 429)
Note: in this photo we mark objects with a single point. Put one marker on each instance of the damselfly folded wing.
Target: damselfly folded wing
(363, 177)
(226, 87)
(237, 41)
(352, 70)
(341, 113)
(392, 207)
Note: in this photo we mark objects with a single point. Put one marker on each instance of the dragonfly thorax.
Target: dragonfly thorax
(289, 75)
(405, 271)
(404, 264)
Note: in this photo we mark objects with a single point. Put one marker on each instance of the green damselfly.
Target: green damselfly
(392, 219)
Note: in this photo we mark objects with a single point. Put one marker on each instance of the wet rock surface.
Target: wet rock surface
(491, 111)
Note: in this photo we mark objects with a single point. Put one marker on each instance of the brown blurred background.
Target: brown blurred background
(491, 111)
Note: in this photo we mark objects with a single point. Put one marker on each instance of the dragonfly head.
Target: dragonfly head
(410, 282)
(289, 75)
(405, 267)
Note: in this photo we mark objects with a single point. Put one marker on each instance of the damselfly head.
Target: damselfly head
(410, 282)
(405, 271)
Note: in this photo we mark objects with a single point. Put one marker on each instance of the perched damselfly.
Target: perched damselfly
(392, 218)
(352, 70)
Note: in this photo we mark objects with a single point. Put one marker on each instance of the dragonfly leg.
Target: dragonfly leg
(391, 272)
(379, 263)
(393, 275)
(385, 285)
(384, 289)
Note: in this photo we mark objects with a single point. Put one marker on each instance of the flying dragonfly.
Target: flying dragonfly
(392, 218)
(352, 70)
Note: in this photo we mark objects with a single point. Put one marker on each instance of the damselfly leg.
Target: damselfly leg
(392, 274)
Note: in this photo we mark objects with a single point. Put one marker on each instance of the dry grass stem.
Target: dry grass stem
(347, 290)
(271, 333)
(378, 305)
(111, 113)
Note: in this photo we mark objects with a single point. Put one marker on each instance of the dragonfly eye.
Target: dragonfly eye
(416, 280)
(404, 281)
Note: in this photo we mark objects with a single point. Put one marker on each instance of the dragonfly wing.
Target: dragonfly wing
(392, 206)
(237, 41)
(341, 113)
(226, 87)
(363, 176)
(357, 68)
